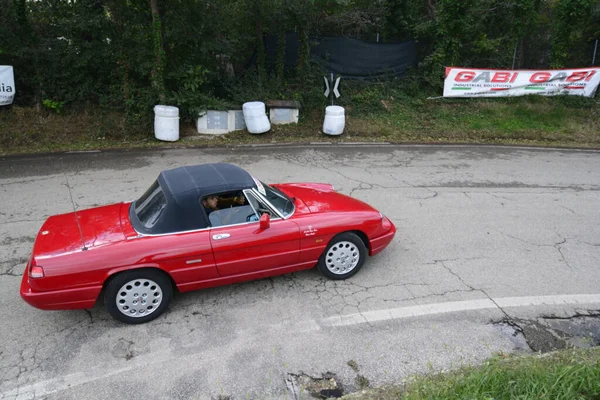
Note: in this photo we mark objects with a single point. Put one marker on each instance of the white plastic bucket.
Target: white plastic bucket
(166, 123)
(255, 117)
(335, 120)
(254, 109)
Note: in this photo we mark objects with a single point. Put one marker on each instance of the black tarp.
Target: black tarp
(350, 58)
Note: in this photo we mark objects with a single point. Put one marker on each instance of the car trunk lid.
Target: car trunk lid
(66, 233)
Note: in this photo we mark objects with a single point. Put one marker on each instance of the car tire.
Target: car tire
(138, 296)
(343, 257)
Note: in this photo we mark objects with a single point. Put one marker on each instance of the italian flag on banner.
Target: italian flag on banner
(473, 82)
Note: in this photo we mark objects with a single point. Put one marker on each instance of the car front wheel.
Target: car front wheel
(138, 296)
(344, 256)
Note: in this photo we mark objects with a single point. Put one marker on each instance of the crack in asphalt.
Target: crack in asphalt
(435, 194)
(499, 197)
(567, 208)
(525, 241)
(540, 336)
(7, 268)
(28, 363)
(430, 295)
(89, 313)
(589, 244)
(314, 162)
(471, 287)
(578, 314)
(557, 246)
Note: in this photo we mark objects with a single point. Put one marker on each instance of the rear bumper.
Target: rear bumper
(70, 299)
(379, 243)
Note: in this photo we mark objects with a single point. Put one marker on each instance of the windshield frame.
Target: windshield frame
(262, 189)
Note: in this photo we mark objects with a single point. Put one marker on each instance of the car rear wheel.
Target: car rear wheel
(138, 296)
(344, 256)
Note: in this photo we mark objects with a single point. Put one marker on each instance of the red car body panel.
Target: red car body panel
(77, 264)
(250, 249)
(60, 234)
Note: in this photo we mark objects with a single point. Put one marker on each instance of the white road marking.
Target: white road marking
(54, 385)
(457, 306)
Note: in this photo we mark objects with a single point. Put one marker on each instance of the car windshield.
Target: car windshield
(280, 201)
(150, 206)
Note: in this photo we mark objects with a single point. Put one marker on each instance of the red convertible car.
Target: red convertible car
(197, 227)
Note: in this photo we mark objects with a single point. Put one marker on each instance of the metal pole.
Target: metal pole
(594, 56)
(332, 88)
(515, 55)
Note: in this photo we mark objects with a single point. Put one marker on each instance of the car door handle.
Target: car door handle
(221, 236)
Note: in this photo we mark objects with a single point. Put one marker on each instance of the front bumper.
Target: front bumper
(379, 243)
(70, 299)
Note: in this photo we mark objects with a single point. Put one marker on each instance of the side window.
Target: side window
(151, 205)
(229, 208)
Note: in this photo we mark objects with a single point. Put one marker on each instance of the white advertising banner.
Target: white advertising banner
(7, 85)
(473, 82)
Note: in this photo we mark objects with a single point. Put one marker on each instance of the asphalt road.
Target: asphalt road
(485, 234)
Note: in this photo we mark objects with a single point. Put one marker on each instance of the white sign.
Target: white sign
(7, 85)
(473, 82)
(335, 87)
(327, 87)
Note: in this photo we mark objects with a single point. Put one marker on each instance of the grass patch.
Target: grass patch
(371, 116)
(564, 375)
(26, 130)
(519, 121)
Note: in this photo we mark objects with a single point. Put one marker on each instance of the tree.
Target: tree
(158, 70)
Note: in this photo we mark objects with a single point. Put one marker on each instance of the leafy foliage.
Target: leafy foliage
(128, 55)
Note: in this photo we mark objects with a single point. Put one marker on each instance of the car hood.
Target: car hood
(61, 233)
(319, 197)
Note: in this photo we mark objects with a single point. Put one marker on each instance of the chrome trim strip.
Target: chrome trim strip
(246, 191)
(141, 235)
(194, 261)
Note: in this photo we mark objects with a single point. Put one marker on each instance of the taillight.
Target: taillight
(36, 271)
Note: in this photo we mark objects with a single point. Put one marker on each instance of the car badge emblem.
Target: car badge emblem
(310, 231)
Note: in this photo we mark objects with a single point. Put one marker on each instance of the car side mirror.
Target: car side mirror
(265, 221)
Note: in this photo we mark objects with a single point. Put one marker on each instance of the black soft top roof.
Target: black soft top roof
(183, 189)
(201, 180)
